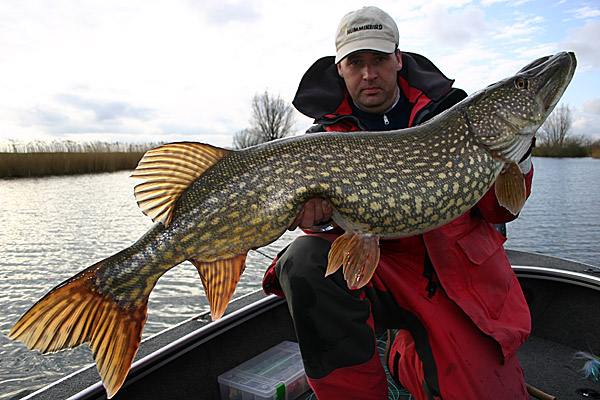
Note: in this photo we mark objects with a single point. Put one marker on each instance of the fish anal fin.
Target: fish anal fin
(167, 172)
(358, 254)
(220, 279)
(74, 313)
(510, 188)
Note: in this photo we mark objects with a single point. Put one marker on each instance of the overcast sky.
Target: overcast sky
(148, 70)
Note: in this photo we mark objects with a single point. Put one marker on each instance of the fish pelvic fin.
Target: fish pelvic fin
(510, 188)
(74, 313)
(168, 171)
(358, 255)
(220, 279)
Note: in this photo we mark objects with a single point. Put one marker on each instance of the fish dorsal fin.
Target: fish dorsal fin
(220, 279)
(510, 188)
(358, 254)
(168, 171)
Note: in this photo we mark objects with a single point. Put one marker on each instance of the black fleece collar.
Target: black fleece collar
(321, 90)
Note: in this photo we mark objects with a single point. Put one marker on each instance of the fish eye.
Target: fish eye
(521, 83)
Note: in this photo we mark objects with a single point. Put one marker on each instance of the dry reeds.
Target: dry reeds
(19, 159)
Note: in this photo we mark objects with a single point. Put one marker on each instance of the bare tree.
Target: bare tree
(556, 128)
(272, 118)
(246, 138)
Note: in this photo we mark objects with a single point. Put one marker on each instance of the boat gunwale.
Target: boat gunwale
(256, 303)
(582, 279)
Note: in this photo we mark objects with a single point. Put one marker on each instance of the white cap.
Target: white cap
(366, 29)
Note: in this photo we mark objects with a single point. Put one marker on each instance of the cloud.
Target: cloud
(512, 3)
(457, 28)
(586, 12)
(106, 110)
(592, 106)
(68, 113)
(521, 29)
(586, 120)
(218, 12)
(584, 41)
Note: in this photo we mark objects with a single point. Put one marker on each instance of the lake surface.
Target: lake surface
(54, 227)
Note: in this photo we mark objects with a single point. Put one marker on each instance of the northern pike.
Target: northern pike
(212, 205)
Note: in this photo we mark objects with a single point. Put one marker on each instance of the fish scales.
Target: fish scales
(392, 193)
(212, 205)
(388, 184)
(359, 173)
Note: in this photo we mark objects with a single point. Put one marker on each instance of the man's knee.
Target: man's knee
(304, 260)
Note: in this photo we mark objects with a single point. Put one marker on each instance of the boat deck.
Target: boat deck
(184, 362)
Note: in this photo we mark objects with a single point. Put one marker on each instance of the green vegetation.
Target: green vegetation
(554, 140)
(571, 147)
(64, 158)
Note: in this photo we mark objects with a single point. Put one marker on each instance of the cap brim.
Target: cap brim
(381, 45)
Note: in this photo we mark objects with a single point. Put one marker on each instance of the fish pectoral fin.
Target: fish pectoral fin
(510, 188)
(220, 279)
(358, 254)
(168, 171)
(74, 313)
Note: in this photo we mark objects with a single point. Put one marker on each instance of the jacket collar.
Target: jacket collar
(322, 91)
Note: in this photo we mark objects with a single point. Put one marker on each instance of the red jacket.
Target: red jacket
(466, 253)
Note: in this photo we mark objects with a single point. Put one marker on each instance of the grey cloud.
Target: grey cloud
(41, 117)
(91, 115)
(106, 110)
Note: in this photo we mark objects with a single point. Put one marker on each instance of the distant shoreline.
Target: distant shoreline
(22, 165)
(52, 159)
(569, 150)
(66, 157)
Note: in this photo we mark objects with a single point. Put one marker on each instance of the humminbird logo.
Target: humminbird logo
(367, 27)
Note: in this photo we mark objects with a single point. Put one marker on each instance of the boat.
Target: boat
(184, 362)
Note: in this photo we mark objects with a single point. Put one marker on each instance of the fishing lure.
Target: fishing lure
(592, 365)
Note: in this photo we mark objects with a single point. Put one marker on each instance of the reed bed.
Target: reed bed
(18, 159)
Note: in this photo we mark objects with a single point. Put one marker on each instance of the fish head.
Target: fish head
(505, 116)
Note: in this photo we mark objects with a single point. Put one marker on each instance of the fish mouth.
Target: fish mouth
(556, 73)
(548, 78)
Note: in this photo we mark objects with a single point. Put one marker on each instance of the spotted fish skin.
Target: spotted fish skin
(212, 205)
(388, 184)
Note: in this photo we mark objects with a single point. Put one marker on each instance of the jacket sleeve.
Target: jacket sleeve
(493, 212)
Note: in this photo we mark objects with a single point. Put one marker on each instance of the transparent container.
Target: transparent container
(276, 374)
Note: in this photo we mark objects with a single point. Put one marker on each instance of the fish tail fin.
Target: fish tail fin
(75, 312)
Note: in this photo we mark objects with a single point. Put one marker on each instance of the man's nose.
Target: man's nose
(369, 72)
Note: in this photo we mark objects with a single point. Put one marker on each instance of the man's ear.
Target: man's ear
(399, 56)
(339, 68)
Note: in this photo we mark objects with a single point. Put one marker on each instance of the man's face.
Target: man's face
(371, 78)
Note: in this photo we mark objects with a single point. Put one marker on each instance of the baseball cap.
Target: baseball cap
(368, 28)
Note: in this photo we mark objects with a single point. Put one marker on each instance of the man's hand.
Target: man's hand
(313, 212)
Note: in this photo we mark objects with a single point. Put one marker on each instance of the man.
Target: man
(450, 292)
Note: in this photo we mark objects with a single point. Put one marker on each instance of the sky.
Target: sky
(170, 70)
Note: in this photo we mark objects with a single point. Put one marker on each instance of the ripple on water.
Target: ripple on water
(54, 227)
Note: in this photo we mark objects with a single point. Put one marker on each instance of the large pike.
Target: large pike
(211, 206)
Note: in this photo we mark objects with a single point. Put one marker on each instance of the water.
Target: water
(54, 227)
(562, 216)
